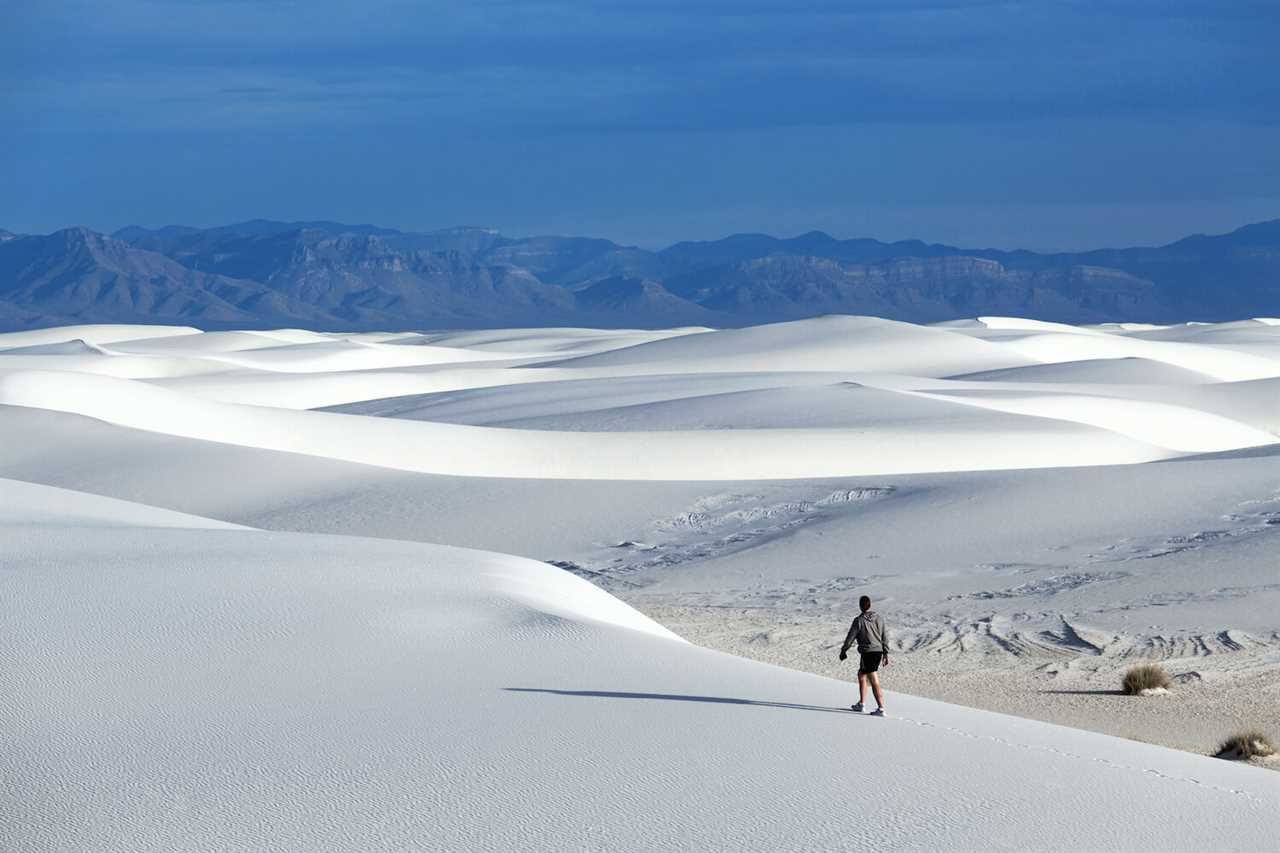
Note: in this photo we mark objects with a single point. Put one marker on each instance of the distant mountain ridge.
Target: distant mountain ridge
(330, 275)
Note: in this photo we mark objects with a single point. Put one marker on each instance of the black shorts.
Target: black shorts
(870, 662)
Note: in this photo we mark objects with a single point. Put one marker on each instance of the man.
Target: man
(873, 647)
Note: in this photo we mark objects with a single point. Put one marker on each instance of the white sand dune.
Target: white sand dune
(1127, 327)
(1177, 428)
(862, 344)
(561, 341)
(766, 544)
(1000, 327)
(623, 421)
(75, 347)
(30, 504)
(1237, 330)
(730, 454)
(281, 389)
(345, 355)
(686, 405)
(561, 392)
(204, 344)
(1221, 363)
(94, 334)
(306, 336)
(184, 689)
(1253, 403)
(106, 363)
(1026, 324)
(1251, 337)
(174, 681)
(449, 362)
(762, 400)
(1129, 370)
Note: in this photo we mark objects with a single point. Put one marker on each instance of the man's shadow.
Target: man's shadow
(679, 697)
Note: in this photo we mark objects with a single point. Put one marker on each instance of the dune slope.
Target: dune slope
(237, 690)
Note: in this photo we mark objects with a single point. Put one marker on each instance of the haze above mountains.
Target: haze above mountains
(327, 275)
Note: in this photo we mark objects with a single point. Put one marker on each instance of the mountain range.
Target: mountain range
(328, 275)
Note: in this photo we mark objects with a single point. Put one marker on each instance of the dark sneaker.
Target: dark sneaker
(857, 709)
(878, 712)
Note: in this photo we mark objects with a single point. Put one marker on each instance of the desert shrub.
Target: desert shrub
(1144, 677)
(1247, 744)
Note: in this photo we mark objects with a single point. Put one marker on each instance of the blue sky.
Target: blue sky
(1047, 125)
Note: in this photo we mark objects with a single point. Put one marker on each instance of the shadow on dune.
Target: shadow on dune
(678, 697)
(1244, 453)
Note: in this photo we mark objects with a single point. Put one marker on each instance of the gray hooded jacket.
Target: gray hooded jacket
(869, 632)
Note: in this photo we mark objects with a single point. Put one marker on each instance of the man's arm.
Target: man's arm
(848, 638)
(884, 640)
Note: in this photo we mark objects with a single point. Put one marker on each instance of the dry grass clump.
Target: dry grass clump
(1145, 679)
(1245, 745)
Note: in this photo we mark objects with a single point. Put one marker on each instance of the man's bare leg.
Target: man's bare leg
(875, 687)
(862, 689)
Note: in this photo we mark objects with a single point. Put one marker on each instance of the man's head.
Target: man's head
(865, 603)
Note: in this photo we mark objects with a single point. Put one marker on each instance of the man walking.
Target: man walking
(873, 647)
